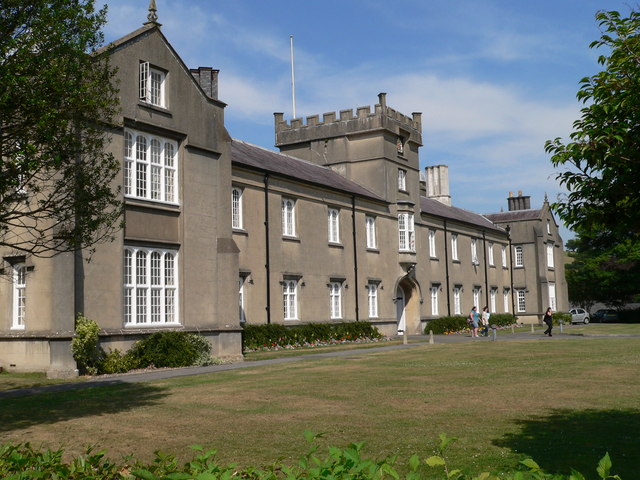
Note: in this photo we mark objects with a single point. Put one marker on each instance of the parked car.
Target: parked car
(579, 315)
(605, 316)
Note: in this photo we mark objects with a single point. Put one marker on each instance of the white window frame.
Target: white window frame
(552, 296)
(152, 85)
(150, 167)
(432, 244)
(457, 304)
(406, 232)
(477, 291)
(19, 293)
(549, 226)
(241, 300)
(434, 299)
(522, 301)
(550, 261)
(402, 180)
(493, 293)
(490, 254)
(372, 239)
(333, 221)
(474, 251)
(506, 300)
(236, 208)
(335, 300)
(151, 290)
(504, 256)
(454, 247)
(288, 217)
(372, 299)
(519, 256)
(290, 299)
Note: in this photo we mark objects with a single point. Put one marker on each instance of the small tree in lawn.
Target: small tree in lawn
(57, 103)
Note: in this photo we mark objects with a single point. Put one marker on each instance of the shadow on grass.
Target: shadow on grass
(47, 408)
(579, 439)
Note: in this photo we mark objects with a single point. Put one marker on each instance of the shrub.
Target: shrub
(458, 323)
(115, 361)
(271, 335)
(168, 349)
(85, 345)
(455, 323)
(564, 316)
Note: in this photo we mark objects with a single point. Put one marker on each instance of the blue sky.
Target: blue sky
(494, 79)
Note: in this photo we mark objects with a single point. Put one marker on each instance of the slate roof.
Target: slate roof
(439, 209)
(253, 156)
(514, 215)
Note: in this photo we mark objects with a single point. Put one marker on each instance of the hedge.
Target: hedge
(458, 323)
(266, 336)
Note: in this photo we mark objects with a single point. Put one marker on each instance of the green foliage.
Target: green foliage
(170, 349)
(565, 317)
(22, 461)
(600, 167)
(444, 325)
(85, 345)
(603, 271)
(458, 323)
(115, 361)
(56, 97)
(276, 335)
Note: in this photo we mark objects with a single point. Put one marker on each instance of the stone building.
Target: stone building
(340, 225)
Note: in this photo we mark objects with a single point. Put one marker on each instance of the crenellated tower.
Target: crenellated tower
(378, 149)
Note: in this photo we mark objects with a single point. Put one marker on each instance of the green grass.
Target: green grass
(563, 402)
(10, 381)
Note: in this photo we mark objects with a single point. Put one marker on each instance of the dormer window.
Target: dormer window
(152, 85)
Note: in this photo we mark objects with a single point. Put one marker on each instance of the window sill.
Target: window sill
(335, 245)
(455, 260)
(373, 250)
(148, 203)
(156, 108)
(290, 239)
(143, 326)
(435, 259)
(18, 328)
(240, 231)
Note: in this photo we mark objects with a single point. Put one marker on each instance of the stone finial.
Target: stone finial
(152, 17)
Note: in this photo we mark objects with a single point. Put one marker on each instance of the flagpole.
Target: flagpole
(293, 78)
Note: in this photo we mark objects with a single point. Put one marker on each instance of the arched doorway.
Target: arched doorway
(407, 307)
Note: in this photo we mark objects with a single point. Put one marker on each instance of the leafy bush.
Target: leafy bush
(565, 317)
(272, 335)
(115, 361)
(22, 461)
(169, 349)
(85, 345)
(458, 323)
(443, 325)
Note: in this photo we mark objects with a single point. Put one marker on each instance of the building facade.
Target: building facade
(340, 225)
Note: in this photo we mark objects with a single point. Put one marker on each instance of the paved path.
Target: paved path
(417, 341)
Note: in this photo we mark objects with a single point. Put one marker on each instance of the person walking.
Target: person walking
(475, 320)
(548, 319)
(485, 321)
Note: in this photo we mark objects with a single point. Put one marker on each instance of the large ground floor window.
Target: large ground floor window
(150, 286)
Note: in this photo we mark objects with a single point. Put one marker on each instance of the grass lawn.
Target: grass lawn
(9, 381)
(564, 402)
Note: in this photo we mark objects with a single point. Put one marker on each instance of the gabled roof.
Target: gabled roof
(144, 31)
(430, 206)
(255, 157)
(514, 215)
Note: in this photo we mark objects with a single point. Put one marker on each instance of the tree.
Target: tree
(602, 272)
(57, 104)
(603, 156)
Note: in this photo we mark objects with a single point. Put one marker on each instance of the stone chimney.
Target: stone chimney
(207, 77)
(521, 202)
(438, 183)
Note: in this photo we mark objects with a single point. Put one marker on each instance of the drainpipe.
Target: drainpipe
(267, 265)
(355, 254)
(446, 267)
(486, 276)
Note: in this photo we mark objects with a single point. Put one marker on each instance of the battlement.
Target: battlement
(348, 122)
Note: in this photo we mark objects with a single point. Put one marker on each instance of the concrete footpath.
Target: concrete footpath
(414, 341)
